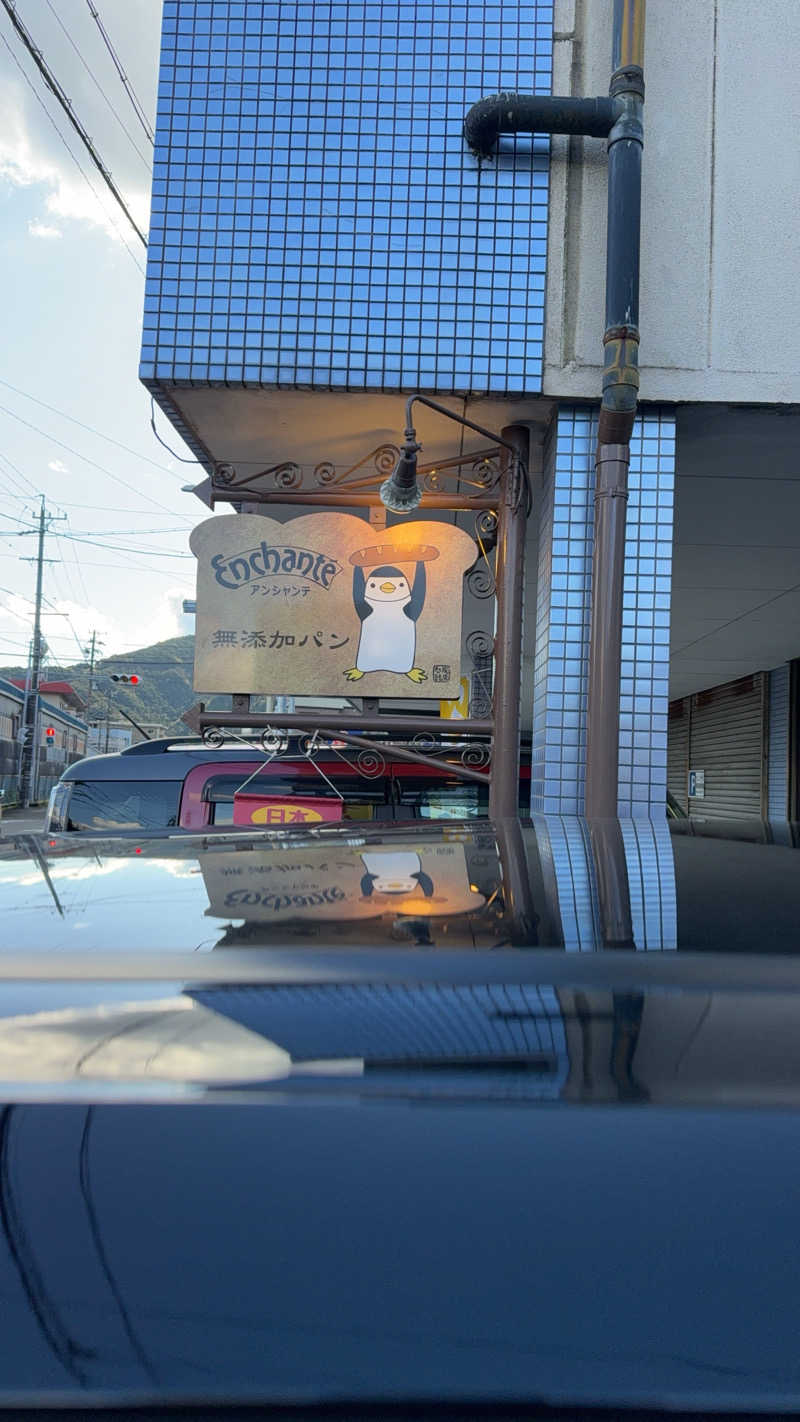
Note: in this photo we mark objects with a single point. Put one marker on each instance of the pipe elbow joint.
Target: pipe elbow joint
(486, 120)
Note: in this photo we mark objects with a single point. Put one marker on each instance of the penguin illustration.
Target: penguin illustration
(398, 872)
(388, 610)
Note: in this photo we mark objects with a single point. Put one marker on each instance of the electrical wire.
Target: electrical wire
(20, 475)
(90, 428)
(163, 442)
(115, 548)
(73, 156)
(129, 89)
(66, 104)
(85, 458)
(137, 567)
(112, 508)
(51, 7)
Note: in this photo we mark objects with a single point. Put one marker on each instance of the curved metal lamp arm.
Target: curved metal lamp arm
(400, 492)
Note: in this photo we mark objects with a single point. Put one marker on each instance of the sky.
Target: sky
(70, 397)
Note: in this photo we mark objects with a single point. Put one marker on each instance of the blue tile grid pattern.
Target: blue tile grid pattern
(651, 881)
(317, 221)
(568, 865)
(566, 531)
(380, 1022)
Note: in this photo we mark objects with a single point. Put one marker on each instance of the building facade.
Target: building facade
(61, 735)
(323, 244)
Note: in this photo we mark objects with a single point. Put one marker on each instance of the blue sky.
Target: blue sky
(71, 315)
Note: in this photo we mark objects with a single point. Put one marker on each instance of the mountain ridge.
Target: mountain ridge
(164, 693)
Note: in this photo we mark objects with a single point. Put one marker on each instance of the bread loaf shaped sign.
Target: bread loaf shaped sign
(324, 605)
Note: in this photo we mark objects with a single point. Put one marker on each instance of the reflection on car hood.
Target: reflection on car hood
(453, 1179)
(374, 1148)
(556, 882)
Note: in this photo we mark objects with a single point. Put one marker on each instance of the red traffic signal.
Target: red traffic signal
(50, 732)
(132, 680)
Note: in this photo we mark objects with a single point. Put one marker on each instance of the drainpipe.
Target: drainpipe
(617, 410)
(619, 119)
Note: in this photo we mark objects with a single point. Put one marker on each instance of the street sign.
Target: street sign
(326, 605)
(697, 784)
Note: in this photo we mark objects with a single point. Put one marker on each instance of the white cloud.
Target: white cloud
(66, 636)
(41, 229)
(169, 619)
(25, 162)
(58, 466)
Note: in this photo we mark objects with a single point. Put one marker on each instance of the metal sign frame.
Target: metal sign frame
(492, 484)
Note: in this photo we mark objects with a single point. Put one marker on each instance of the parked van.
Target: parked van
(185, 784)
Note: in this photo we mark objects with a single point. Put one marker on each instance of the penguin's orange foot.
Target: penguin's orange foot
(353, 674)
(417, 674)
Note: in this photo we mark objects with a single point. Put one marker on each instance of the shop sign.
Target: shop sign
(323, 605)
(456, 710)
(259, 809)
(332, 883)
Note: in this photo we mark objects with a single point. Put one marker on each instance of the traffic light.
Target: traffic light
(50, 735)
(132, 680)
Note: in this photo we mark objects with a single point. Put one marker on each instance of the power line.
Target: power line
(70, 450)
(21, 476)
(99, 86)
(66, 104)
(129, 90)
(91, 429)
(79, 571)
(114, 547)
(135, 567)
(106, 508)
(76, 160)
(163, 442)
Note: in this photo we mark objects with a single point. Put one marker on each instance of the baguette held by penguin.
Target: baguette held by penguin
(389, 553)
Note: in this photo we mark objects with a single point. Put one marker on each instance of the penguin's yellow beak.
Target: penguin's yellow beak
(387, 587)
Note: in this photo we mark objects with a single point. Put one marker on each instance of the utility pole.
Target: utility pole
(30, 724)
(90, 653)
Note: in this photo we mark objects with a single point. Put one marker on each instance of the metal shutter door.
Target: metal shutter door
(678, 751)
(728, 743)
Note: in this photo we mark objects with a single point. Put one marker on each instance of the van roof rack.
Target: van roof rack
(185, 743)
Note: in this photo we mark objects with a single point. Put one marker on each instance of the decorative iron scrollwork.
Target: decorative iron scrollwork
(480, 644)
(212, 736)
(385, 459)
(287, 476)
(432, 482)
(476, 757)
(485, 524)
(325, 473)
(370, 763)
(425, 743)
(273, 741)
(486, 472)
(480, 580)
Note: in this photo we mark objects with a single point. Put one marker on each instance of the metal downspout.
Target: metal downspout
(511, 529)
(619, 118)
(617, 411)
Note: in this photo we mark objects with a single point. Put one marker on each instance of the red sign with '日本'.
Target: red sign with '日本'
(277, 811)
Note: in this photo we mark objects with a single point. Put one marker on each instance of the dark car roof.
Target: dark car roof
(173, 759)
(352, 1115)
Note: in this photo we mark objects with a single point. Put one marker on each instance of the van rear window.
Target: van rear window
(123, 804)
